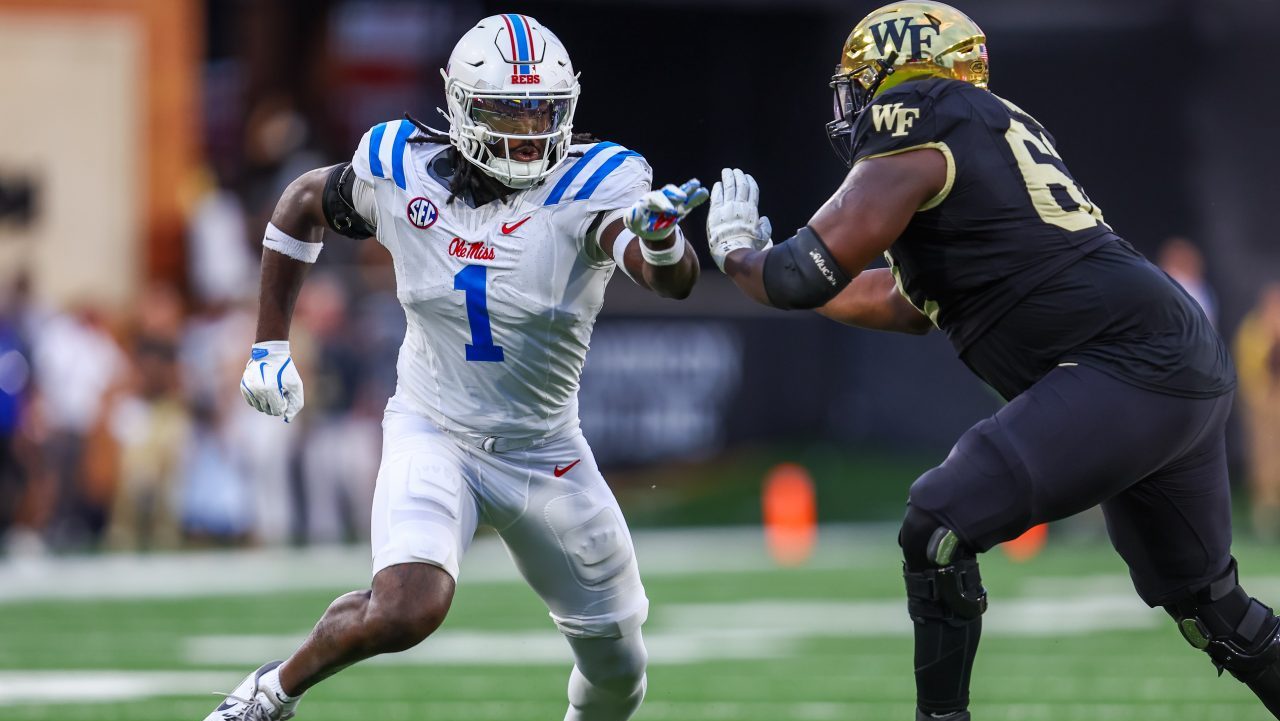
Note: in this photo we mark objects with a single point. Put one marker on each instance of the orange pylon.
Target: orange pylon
(790, 514)
(1028, 545)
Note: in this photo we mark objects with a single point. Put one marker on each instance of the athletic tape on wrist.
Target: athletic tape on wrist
(285, 244)
(669, 256)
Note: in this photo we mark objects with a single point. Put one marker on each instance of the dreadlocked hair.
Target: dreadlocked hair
(467, 178)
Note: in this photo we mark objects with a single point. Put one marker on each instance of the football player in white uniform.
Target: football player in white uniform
(504, 232)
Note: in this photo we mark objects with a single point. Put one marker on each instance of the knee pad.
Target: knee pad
(616, 665)
(941, 574)
(1239, 633)
(608, 679)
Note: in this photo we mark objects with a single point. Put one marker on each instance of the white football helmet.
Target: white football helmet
(509, 81)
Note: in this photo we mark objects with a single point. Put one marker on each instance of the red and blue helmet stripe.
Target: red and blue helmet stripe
(520, 32)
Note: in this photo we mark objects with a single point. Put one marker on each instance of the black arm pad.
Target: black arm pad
(801, 273)
(339, 210)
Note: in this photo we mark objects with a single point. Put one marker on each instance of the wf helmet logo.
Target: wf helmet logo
(891, 34)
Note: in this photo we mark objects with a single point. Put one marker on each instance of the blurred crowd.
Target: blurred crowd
(128, 432)
(123, 428)
(1257, 354)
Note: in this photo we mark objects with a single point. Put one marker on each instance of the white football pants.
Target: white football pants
(559, 521)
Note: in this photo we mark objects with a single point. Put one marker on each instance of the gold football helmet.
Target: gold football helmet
(897, 43)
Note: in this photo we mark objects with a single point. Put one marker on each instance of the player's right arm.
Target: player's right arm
(855, 226)
(299, 214)
(872, 300)
(899, 168)
(315, 200)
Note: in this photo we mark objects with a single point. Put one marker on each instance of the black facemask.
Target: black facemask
(849, 99)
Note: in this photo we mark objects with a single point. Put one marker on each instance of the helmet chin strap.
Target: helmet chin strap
(886, 69)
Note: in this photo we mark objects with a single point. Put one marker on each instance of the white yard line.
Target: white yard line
(1024, 616)
(699, 632)
(89, 686)
(504, 648)
(661, 552)
(225, 573)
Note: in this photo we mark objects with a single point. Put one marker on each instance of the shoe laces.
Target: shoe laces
(251, 711)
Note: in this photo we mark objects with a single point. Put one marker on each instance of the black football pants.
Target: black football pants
(1078, 438)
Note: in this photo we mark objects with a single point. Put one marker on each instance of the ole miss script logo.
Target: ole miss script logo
(460, 248)
(422, 213)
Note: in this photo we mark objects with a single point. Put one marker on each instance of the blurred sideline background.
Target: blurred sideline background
(145, 143)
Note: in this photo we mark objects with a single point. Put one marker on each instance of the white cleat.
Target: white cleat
(252, 701)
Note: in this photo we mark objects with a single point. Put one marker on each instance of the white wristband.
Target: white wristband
(285, 244)
(669, 256)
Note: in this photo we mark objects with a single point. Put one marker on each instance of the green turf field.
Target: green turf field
(731, 639)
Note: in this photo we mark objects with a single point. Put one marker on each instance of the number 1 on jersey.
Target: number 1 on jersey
(473, 280)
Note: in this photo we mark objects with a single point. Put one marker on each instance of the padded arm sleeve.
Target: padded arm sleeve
(800, 273)
(339, 208)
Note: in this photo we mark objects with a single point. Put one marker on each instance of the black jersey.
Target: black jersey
(977, 258)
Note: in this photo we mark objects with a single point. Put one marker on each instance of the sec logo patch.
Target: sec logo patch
(422, 213)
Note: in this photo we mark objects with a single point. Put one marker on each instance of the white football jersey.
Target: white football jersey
(500, 300)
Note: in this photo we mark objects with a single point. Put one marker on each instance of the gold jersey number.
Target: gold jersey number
(1057, 198)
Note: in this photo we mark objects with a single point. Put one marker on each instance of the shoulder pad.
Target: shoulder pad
(912, 115)
(381, 153)
(605, 175)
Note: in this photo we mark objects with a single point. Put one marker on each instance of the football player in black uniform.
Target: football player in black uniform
(1118, 387)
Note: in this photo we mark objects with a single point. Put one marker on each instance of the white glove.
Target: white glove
(271, 383)
(734, 221)
(655, 215)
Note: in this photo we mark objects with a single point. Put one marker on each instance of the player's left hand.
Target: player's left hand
(734, 221)
(655, 215)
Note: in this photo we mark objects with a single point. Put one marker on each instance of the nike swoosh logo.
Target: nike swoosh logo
(508, 229)
(561, 471)
(262, 371)
(225, 705)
